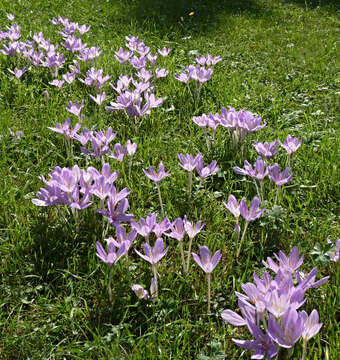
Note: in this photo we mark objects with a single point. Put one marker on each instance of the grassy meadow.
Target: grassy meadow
(281, 60)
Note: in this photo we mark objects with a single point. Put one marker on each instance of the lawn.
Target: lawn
(280, 61)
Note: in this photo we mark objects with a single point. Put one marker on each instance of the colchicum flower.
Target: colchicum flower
(207, 263)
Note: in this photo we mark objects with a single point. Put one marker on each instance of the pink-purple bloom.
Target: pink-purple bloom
(205, 261)
(291, 144)
(155, 254)
(266, 149)
(156, 176)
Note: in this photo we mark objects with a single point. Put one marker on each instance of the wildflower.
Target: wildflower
(99, 99)
(18, 72)
(75, 108)
(207, 264)
(156, 176)
(266, 149)
(164, 52)
(291, 144)
(140, 292)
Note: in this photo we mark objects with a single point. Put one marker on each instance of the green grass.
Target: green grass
(281, 60)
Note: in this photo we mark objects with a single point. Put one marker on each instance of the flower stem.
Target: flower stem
(189, 255)
(182, 255)
(160, 198)
(277, 195)
(304, 350)
(110, 289)
(190, 184)
(154, 270)
(209, 281)
(242, 238)
(257, 190)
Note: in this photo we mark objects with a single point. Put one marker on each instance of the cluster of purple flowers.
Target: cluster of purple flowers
(135, 93)
(240, 122)
(75, 187)
(201, 72)
(275, 303)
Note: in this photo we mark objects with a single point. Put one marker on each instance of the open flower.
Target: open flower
(156, 176)
(205, 261)
(155, 254)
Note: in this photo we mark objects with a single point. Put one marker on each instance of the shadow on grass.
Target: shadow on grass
(203, 16)
(187, 15)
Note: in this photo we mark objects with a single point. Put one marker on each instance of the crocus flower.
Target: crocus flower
(253, 212)
(192, 230)
(291, 144)
(75, 108)
(65, 129)
(58, 83)
(290, 331)
(113, 253)
(288, 265)
(145, 227)
(111, 257)
(140, 292)
(10, 17)
(205, 261)
(206, 171)
(160, 73)
(267, 149)
(130, 148)
(118, 152)
(155, 254)
(18, 72)
(99, 99)
(188, 162)
(207, 264)
(259, 171)
(164, 52)
(156, 176)
(311, 324)
(161, 227)
(233, 206)
(279, 178)
(262, 345)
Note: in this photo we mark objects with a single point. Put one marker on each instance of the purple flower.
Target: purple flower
(66, 130)
(152, 58)
(116, 213)
(118, 152)
(160, 228)
(290, 330)
(262, 345)
(145, 227)
(58, 83)
(140, 292)
(279, 178)
(113, 253)
(161, 73)
(155, 254)
(99, 99)
(69, 77)
(10, 17)
(18, 72)
(164, 52)
(259, 172)
(156, 176)
(288, 265)
(253, 212)
(123, 56)
(83, 29)
(75, 108)
(188, 162)
(201, 74)
(205, 261)
(311, 324)
(130, 148)
(183, 77)
(177, 230)
(192, 229)
(206, 171)
(137, 62)
(267, 149)
(201, 121)
(291, 144)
